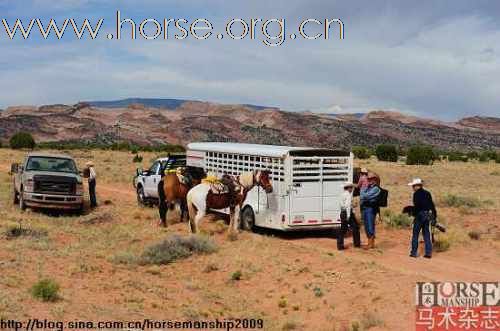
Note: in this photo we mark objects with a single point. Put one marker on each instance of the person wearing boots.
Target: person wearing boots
(369, 207)
(347, 218)
(162, 203)
(424, 211)
(92, 175)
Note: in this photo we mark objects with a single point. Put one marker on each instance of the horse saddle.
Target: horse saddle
(224, 185)
(183, 176)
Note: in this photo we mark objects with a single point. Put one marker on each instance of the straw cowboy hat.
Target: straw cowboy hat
(363, 171)
(89, 164)
(416, 181)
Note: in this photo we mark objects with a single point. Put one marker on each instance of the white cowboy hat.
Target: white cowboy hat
(364, 170)
(346, 185)
(89, 164)
(416, 181)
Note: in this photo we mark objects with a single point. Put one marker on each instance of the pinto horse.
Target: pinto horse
(201, 197)
(176, 185)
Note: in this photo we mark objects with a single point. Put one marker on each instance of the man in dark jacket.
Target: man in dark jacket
(424, 211)
(162, 203)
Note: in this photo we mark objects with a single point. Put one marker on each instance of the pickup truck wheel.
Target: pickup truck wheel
(247, 219)
(141, 198)
(22, 204)
(15, 197)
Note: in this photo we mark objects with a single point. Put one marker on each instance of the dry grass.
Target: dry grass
(95, 258)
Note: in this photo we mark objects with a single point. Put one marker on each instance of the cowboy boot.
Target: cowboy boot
(368, 244)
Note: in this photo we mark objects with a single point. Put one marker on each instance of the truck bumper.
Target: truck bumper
(53, 201)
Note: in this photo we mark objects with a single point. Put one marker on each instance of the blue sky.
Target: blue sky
(429, 58)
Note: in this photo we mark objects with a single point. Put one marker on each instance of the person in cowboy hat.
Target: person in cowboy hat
(363, 178)
(162, 202)
(424, 211)
(369, 207)
(347, 218)
(92, 175)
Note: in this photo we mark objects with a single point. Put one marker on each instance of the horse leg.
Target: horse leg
(184, 210)
(236, 222)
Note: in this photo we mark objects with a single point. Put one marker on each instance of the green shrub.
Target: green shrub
(398, 221)
(318, 292)
(236, 275)
(484, 157)
(474, 235)
(387, 153)
(16, 231)
(497, 159)
(137, 158)
(457, 156)
(176, 247)
(441, 244)
(126, 258)
(451, 200)
(370, 320)
(361, 152)
(46, 290)
(473, 155)
(22, 140)
(491, 154)
(420, 155)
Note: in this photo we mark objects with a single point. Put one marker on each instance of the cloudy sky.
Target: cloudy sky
(430, 58)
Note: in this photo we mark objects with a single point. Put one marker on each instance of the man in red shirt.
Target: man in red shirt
(363, 178)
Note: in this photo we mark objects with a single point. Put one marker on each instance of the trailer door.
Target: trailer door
(335, 172)
(305, 191)
(316, 188)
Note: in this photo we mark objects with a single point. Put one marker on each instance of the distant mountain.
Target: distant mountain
(154, 103)
(147, 102)
(146, 122)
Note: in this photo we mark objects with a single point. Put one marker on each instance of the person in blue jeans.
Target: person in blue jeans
(424, 211)
(369, 207)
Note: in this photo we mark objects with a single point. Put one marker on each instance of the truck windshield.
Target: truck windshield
(42, 163)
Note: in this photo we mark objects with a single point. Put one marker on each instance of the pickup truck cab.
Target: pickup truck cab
(48, 181)
(146, 181)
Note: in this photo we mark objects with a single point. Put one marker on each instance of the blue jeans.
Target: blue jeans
(421, 223)
(369, 221)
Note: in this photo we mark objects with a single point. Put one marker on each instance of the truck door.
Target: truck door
(151, 180)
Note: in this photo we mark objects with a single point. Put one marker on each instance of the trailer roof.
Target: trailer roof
(263, 150)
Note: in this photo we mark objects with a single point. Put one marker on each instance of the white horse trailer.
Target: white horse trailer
(307, 182)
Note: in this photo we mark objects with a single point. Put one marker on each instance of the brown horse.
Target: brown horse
(176, 185)
(201, 197)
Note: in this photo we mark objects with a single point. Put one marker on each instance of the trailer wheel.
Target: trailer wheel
(247, 218)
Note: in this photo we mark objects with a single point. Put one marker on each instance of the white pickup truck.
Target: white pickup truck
(146, 181)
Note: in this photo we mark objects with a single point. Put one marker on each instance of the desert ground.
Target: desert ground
(292, 282)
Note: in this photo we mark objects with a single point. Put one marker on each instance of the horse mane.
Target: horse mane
(246, 179)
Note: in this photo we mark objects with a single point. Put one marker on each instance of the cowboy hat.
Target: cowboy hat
(363, 171)
(346, 185)
(416, 181)
(89, 164)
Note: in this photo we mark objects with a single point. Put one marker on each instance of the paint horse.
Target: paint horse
(176, 185)
(203, 197)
